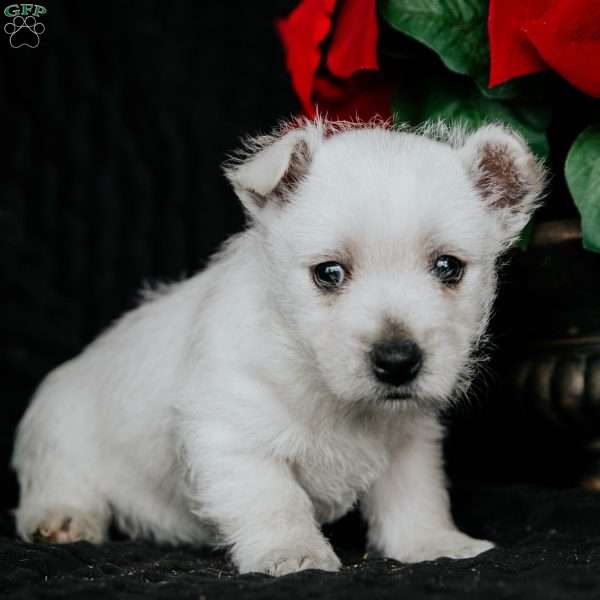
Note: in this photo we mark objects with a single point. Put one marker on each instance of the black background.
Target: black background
(114, 130)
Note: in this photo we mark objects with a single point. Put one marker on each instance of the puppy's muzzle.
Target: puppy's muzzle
(396, 362)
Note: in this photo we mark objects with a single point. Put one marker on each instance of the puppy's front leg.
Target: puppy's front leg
(261, 511)
(408, 507)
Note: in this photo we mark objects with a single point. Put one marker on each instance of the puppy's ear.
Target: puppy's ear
(506, 176)
(268, 169)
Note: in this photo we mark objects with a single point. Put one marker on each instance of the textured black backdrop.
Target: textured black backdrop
(113, 131)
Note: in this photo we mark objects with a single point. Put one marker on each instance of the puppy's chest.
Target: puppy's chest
(335, 470)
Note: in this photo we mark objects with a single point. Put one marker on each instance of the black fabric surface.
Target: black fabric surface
(548, 547)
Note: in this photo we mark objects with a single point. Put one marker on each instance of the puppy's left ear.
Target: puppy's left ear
(268, 170)
(506, 175)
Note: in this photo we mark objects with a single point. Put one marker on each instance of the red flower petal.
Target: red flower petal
(568, 39)
(530, 35)
(362, 97)
(302, 32)
(346, 86)
(511, 52)
(354, 44)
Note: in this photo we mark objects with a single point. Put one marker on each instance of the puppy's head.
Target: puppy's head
(381, 247)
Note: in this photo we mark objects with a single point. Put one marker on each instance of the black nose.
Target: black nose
(396, 361)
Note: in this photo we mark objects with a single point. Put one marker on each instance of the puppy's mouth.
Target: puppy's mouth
(396, 394)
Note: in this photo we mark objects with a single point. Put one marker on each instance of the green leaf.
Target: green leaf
(456, 30)
(582, 170)
(457, 100)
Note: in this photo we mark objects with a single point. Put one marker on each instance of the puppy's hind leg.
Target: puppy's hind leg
(58, 505)
(58, 467)
(65, 525)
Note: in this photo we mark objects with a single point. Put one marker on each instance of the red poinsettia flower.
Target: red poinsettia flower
(563, 35)
(344, 81)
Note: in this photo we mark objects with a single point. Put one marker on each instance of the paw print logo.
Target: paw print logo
(24, 31)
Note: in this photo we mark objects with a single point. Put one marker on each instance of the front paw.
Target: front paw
(449, 544)
(293, 558)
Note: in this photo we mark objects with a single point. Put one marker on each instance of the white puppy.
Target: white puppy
(302, 371)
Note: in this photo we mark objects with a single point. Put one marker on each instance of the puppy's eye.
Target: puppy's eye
(448, 269)
(329, 275)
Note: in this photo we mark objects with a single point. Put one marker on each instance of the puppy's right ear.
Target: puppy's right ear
(268, 169)
(506, 176)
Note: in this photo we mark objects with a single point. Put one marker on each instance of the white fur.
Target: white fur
(238, 407)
